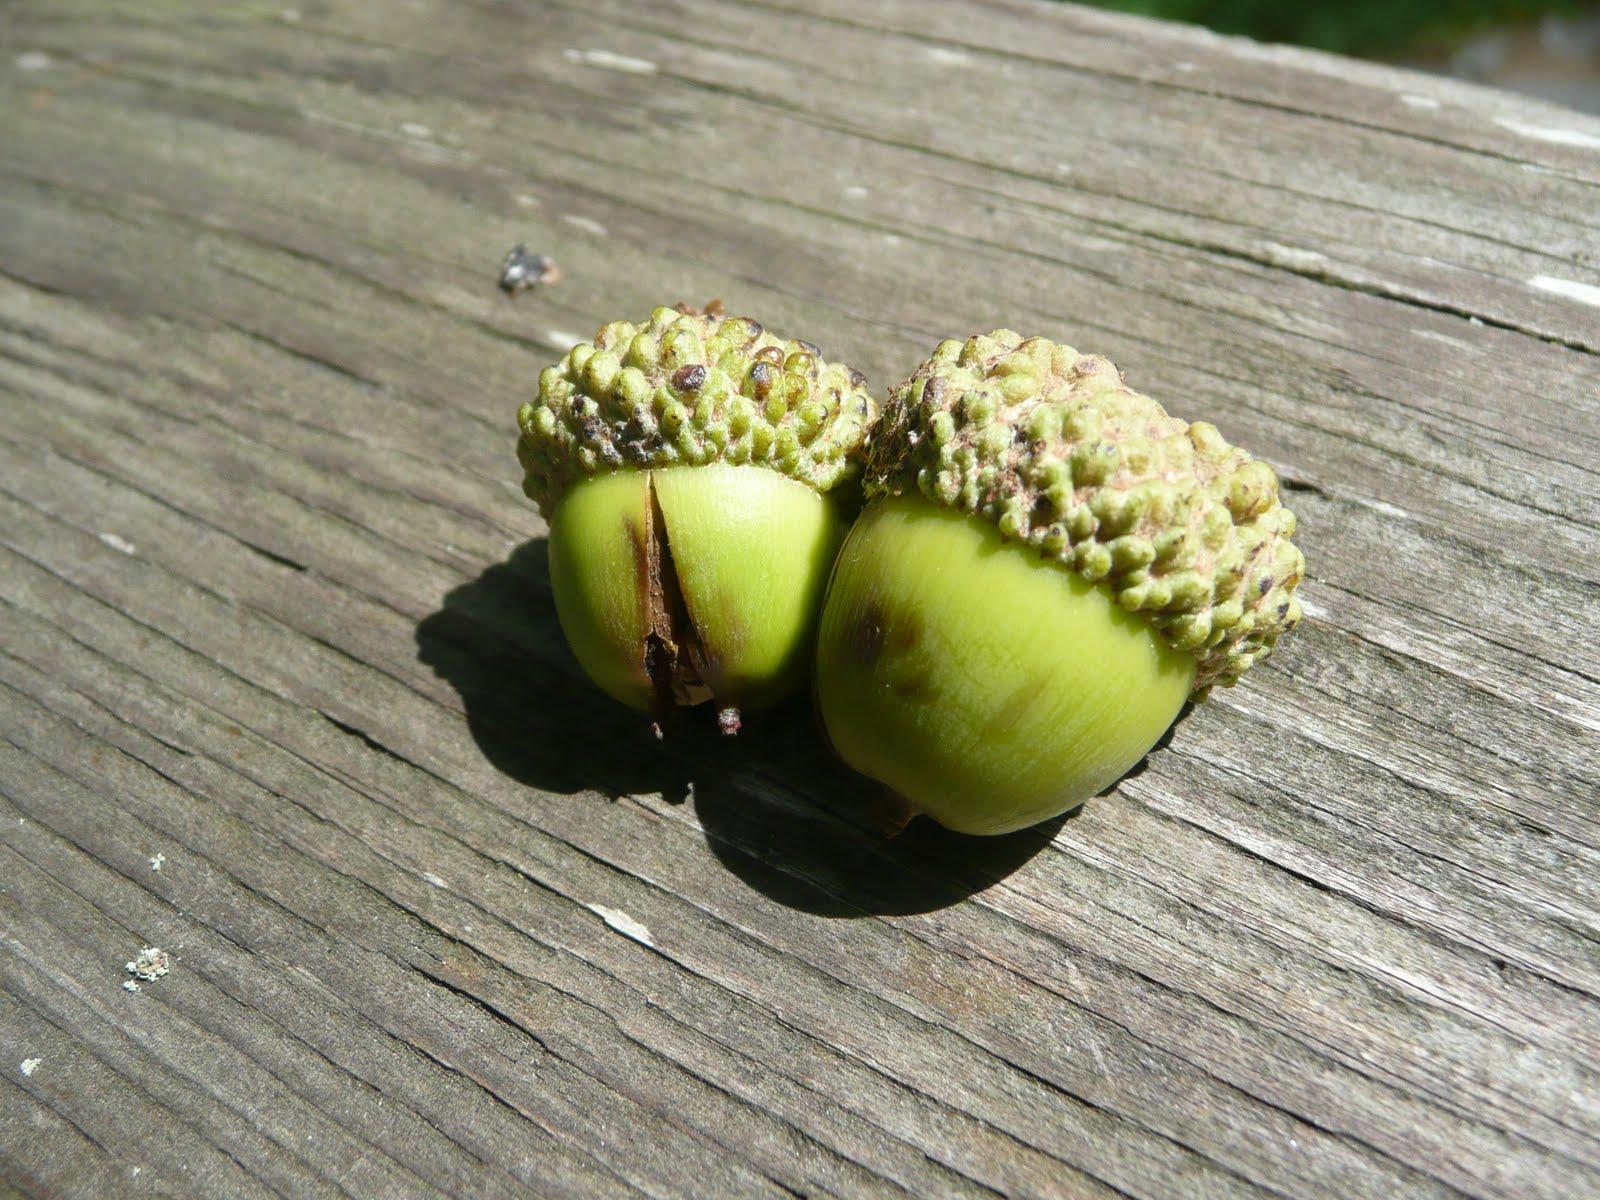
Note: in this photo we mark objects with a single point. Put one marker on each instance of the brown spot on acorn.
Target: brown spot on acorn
(762, 376)
(866, 633)
(1021, 700)
(914, 686)
(689, 378)
(711, 308)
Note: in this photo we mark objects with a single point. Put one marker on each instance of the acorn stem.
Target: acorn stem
(892, 813)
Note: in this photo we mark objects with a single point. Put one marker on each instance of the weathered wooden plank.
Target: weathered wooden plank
(273, 609)
(1423, 823)
(62, 1159)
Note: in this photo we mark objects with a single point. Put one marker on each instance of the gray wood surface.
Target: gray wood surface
(274, 618)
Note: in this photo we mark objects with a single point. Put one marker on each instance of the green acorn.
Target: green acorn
(1049, 566)
(688, 469)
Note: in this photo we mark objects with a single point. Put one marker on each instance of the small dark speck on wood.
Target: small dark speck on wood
(523, 270)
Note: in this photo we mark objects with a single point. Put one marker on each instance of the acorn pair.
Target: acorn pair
(1046, 567)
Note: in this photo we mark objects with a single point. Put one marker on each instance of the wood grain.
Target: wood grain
(274, 617)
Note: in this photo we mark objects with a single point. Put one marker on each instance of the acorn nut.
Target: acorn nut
(688, 469)
(1048, 567)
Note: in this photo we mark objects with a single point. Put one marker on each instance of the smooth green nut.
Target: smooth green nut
(686, 584)
(1039, 582)
(692, 521)
(952, 666)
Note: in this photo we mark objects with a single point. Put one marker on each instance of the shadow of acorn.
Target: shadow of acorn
(529, 707)
(777, 809)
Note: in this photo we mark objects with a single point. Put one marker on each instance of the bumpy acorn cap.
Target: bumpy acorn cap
(688, 388)
(1054, 448)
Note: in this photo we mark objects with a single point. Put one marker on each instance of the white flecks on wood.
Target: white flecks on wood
(1384, 507)
(1433, 335)
(587, 224)
(1572, 289)
(623, 923)
(611, 61)
(1558, 135)
(1296, 258)
(151, 964)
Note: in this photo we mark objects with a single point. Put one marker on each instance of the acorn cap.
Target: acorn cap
(1054, 448)
(688, 388)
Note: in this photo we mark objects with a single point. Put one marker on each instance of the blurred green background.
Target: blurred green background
(1548, 48)
(1367, 27)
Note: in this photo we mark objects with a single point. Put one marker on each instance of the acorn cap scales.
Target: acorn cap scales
(1055, 449)
(690, 388)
